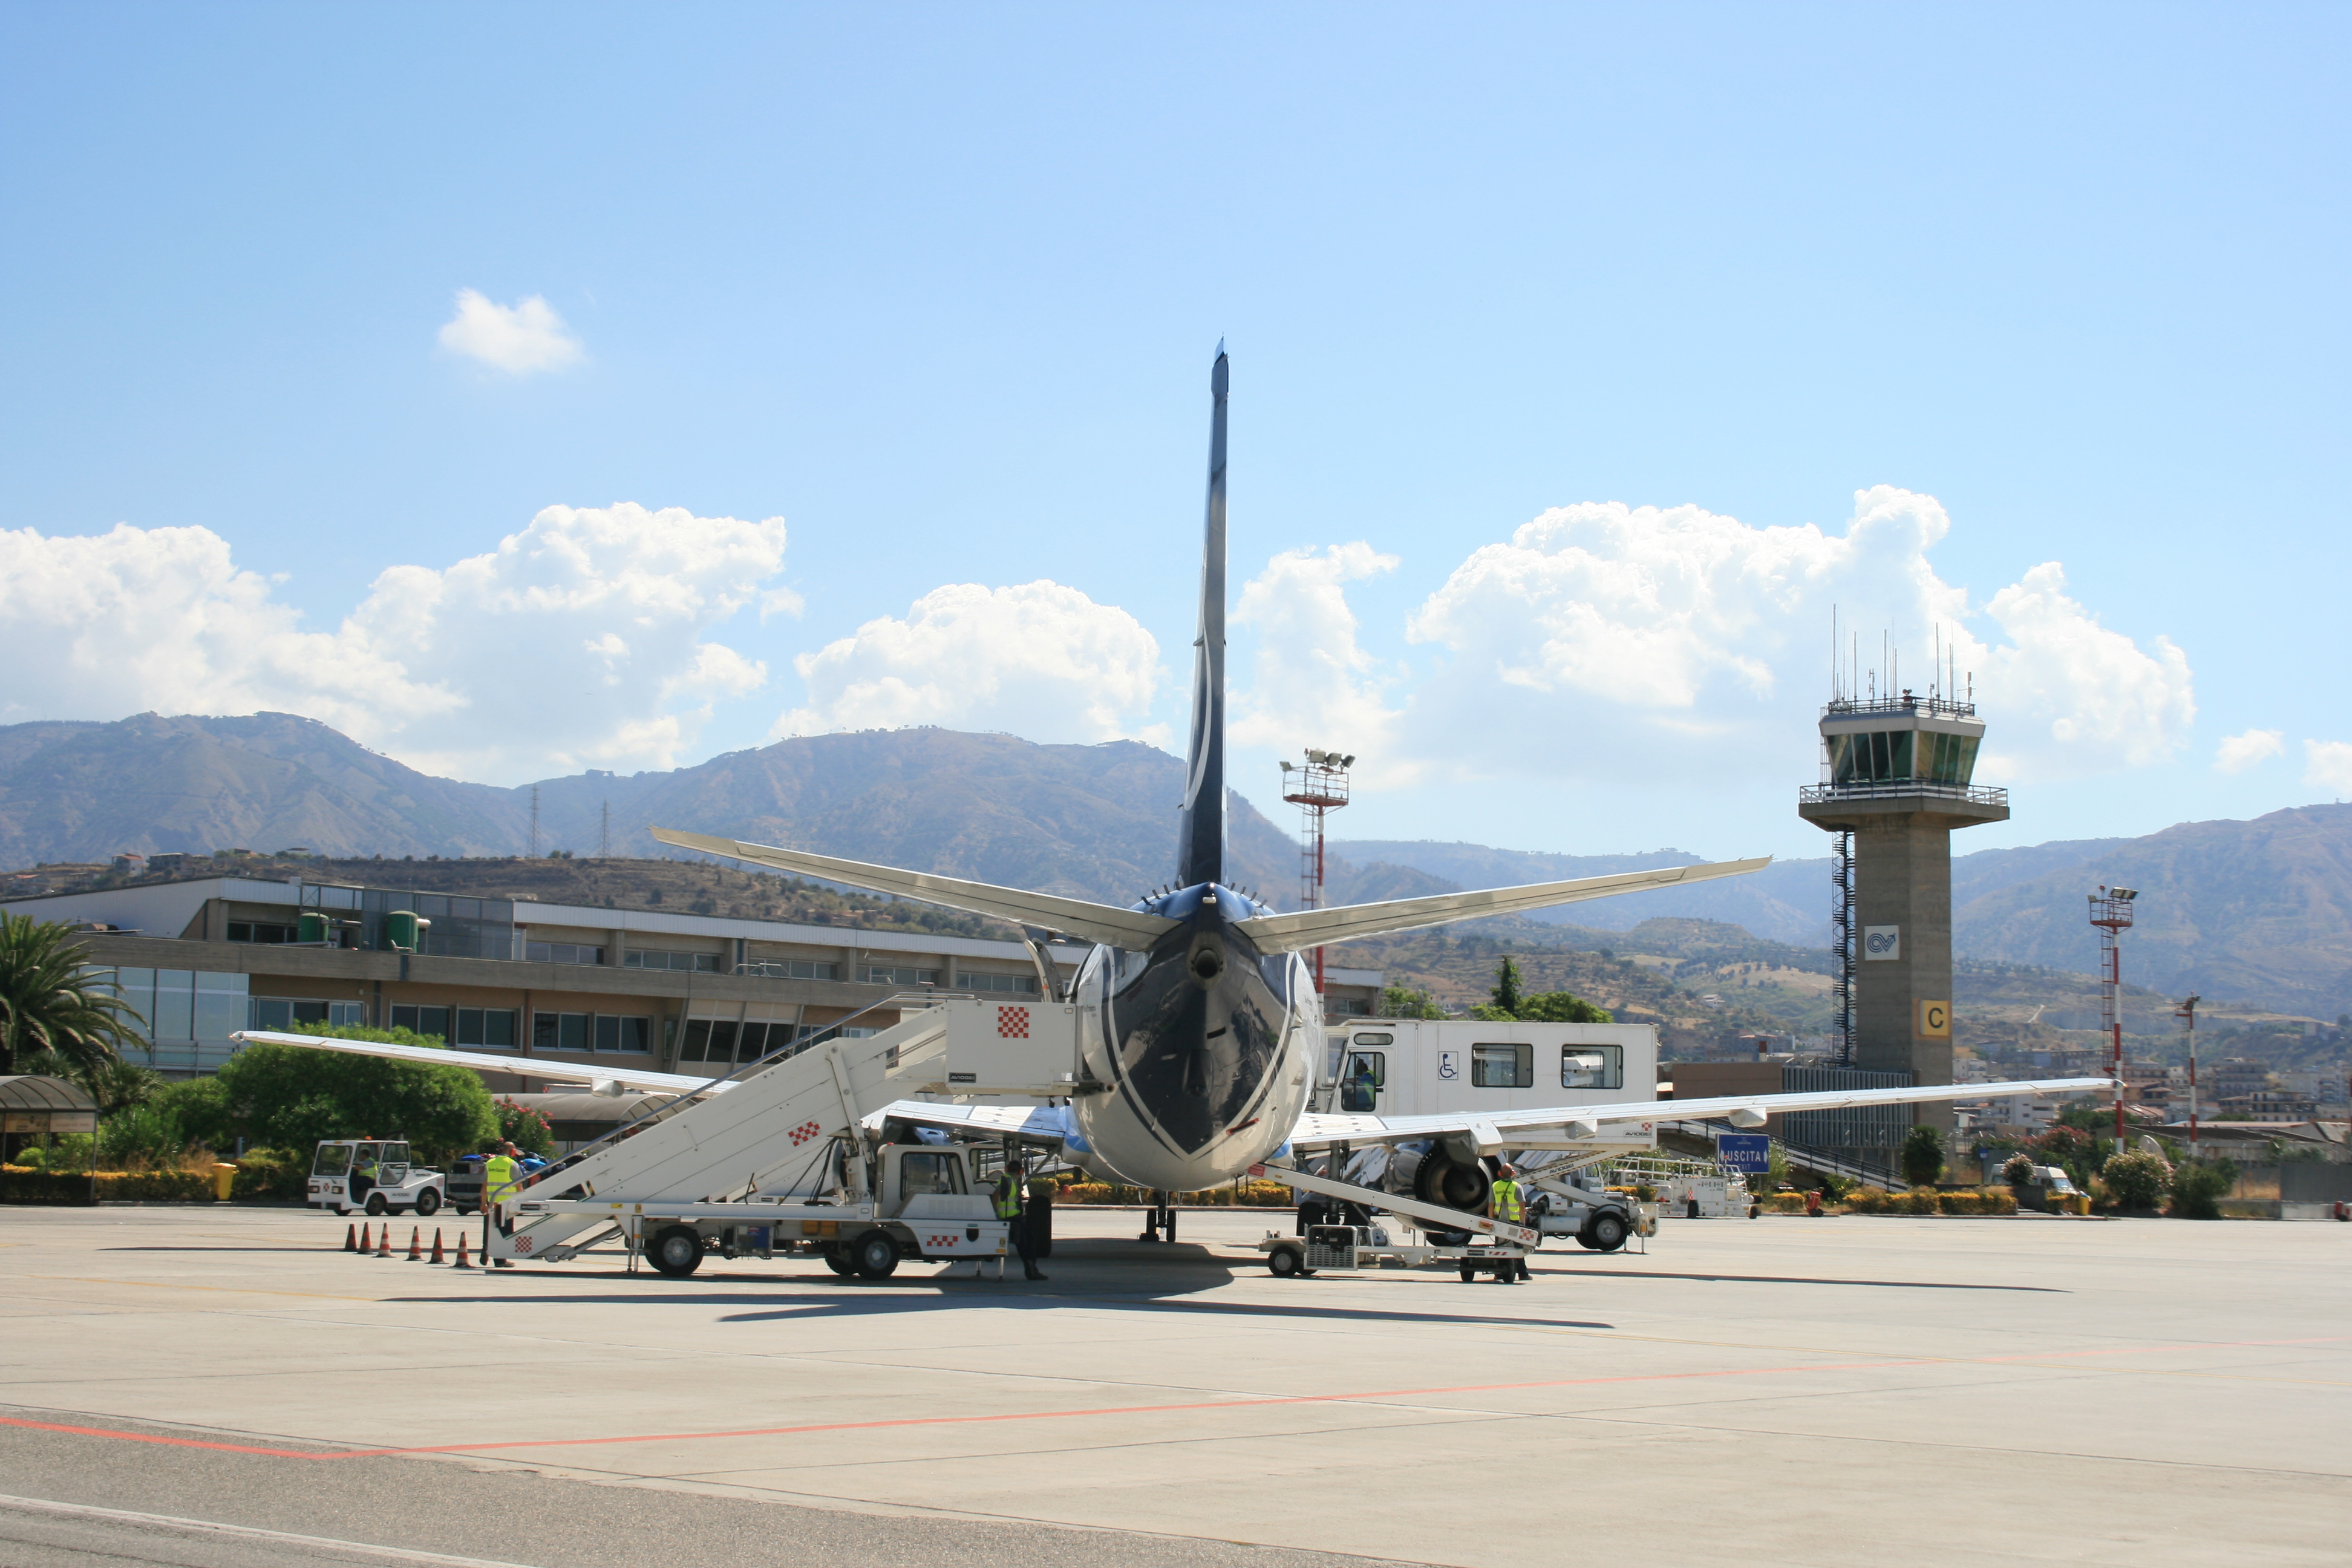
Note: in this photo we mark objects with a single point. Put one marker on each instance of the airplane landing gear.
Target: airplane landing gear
(1160, 1219)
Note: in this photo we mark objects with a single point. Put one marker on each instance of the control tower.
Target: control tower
(1897, 769)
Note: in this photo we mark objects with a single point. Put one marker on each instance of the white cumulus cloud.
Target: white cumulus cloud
(1039, 659)
(1311, 682)
(578, 641)
(1605, 640)
(519, 338)
(2238, 752)
(2327, 764)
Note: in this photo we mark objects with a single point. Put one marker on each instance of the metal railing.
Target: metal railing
(1897, 789)
(1944, 707)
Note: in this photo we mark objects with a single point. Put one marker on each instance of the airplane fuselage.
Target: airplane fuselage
(1206, 1048)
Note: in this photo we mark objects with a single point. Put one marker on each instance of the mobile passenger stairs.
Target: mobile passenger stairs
(776, 1157)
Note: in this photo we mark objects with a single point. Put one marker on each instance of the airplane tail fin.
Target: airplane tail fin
(1201, 829)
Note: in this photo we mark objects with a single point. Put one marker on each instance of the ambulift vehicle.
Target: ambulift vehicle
(338, 1182)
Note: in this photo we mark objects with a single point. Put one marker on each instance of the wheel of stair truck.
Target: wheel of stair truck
(874, 1255)
(428, 1204)
(1288, 1263)
(1605, 1232)
(675, 1251)
(1469, 1272)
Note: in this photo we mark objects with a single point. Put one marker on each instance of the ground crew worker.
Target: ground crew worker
(498, 1175)
(1504, 1207)
(364, 1175)
(1010, 1205)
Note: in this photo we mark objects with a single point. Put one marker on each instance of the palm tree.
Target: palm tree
(47, 1002)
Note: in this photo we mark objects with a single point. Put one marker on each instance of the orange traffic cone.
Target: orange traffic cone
(384, 1242)
(461, 1251)
(438, 1256)
(415, 1253)
(351, 1239)
(365, 1245)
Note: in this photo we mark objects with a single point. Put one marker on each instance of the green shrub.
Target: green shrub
(2018, 1169)
(1923, 1156)
(524, 1128)
(271, 1174)
(2137, 1182)
(2198, 1187)
(19, 1184)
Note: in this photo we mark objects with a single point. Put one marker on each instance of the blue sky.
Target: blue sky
(938, 287)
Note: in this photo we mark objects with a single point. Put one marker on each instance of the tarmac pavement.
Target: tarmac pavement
(1779, 1391)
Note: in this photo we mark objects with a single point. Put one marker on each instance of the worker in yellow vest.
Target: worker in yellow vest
(1504, 1206)
(498, 1176)
(1012, 1201)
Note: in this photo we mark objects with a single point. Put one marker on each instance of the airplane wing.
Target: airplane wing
(1495, 1130)
(599, 1075)
(1037, 1124)
(1313, 928)
(1107, 923)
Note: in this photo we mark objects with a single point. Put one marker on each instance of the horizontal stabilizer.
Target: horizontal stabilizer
(1088, 921)
(1313, 928)
(596, 1076)
(1549, 1124)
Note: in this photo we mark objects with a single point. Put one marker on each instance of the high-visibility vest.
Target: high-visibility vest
(1503, 1201)
(1008, 1197)
(498, 1176)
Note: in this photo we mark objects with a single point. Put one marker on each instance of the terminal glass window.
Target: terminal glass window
(620, 1033)
(433, 1021)
(1010, 985)
(695, 1045)
(900, 974)
(924, 1173)
(562, 952)
(693, 962)
(259, 930)
(1502, 1067)
(559, 1031)
(485, 1028)
(1592, 1067)
(288, 1014)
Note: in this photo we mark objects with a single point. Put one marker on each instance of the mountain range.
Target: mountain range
(2258, 911)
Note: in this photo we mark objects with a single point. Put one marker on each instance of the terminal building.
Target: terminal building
(202, 958)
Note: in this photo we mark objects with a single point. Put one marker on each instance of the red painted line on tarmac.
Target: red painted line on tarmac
(1244, 1403)
(167, 1442)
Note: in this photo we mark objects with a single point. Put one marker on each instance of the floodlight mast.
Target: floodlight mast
(2187, 1013)
(1320, 788)
(2111, 911)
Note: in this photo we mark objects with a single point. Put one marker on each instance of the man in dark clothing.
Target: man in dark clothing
(1011, 1200)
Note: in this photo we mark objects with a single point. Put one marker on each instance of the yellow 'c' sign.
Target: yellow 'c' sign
(1936, 1020)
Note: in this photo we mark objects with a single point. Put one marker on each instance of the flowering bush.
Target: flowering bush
(2137, 1182)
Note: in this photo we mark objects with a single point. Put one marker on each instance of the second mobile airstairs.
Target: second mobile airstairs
(776, 1157)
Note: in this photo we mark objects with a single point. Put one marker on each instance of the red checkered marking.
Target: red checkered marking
(805, 1131)
(1013, 1023)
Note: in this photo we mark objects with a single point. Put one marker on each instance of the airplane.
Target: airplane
(1200, 1030)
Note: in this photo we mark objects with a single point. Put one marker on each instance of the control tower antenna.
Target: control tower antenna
(2111, 911)
(1320, 788)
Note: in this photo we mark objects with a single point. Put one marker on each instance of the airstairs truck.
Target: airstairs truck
(784, 1161)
